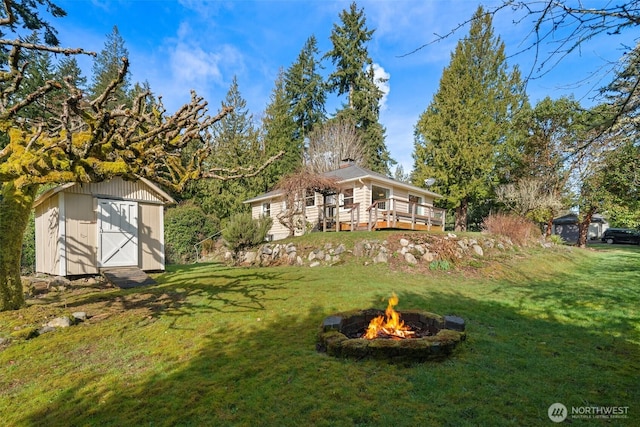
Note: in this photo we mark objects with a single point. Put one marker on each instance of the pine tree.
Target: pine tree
(354, 77)
(279, 133)
(39, 69)
(106, 66)
(459, 138)
(68, 68)
(305, 88)
(236, 145)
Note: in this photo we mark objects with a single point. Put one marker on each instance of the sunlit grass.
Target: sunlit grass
(213, 345)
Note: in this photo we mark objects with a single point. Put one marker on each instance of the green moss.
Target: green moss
(25, 333)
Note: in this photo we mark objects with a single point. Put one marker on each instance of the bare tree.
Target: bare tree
(530, 198)
(85, 141)
(331, 143)
(295, 188)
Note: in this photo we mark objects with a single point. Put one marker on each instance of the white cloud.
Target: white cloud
(382, 78)
(194, 64)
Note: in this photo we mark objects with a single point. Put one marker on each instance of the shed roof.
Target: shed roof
(353, 172)
(166, 198)
(573, 219)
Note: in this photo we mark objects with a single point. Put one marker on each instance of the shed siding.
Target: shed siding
(118, 188)
(150, 236)
(66, 226)
(47, 248)
(81, 234)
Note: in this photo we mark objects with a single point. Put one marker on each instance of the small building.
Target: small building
(567, 227)
(82, 228)
(363, 200)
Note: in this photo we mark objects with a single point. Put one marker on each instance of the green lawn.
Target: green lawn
(220, 346)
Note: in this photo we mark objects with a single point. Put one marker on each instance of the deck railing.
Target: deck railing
(384, 213)
(393, 212)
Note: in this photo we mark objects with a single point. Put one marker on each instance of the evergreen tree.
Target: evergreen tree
(236, 145)
(305, 88)
(68, 67)
(105, 69)
(39, 69)
(460, 137)
(279, 130)
(354, 77)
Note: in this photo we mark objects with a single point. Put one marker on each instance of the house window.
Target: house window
(309, 197)
(380, 195)
(347, 197)
(266, 209)
(414, 202)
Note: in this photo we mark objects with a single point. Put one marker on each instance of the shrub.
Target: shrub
(184, 226)
(519, 229)
(556, 239)
(242, 231)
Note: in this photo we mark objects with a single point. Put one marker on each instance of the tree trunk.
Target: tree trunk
(547, 232)
(15, 209)
(461, 215)
(583, 228)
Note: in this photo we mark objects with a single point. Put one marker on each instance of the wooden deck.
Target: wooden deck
(382, 215)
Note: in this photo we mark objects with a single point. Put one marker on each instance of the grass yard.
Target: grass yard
(212, 345)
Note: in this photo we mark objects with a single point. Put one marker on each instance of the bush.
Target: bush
(556, 239)
(184, 226)
(242, 231)
(520, 230)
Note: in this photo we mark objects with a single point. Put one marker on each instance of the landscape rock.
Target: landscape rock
(381, 258)
(404, 242)
(410, 258)
(428, 257)
(45, 329)
(250, 257)
(478, 250)
(59, 322)
(79, 315)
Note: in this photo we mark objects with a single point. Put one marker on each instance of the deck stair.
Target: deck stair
(127, 277)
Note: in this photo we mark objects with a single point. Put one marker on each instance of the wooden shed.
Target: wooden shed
(84, 228)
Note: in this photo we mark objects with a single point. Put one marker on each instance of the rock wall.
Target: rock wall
(409, 248)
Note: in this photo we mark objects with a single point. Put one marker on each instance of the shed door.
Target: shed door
(117, 233)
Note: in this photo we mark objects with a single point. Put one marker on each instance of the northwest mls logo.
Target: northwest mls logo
(557, 412)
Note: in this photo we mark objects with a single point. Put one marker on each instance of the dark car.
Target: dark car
(621, 235)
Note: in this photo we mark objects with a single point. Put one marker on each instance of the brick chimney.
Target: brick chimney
(345, 163)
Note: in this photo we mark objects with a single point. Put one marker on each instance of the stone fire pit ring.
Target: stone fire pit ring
(339, 336)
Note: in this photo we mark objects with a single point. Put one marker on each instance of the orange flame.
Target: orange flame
(388, 325)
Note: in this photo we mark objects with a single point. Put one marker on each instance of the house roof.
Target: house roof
(573, 219)
(352, 173)
(52, 191)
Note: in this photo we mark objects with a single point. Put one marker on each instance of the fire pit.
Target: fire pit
(410, 335)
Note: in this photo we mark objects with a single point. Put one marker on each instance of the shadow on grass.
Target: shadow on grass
(199, 288)
(508, 372)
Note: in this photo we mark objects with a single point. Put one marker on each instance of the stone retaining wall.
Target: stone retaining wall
(412, 249)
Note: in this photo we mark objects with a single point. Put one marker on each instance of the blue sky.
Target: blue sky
(181, 45)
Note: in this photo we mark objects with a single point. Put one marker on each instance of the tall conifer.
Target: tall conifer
(306, 90)
(460, 138)
(279, 130)
(106, 66)
(354, 77)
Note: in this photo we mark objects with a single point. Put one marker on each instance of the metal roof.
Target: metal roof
(354, 172)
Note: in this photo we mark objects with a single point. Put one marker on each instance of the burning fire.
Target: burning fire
(389, 325)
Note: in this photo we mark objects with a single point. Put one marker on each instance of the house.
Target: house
(567, 227)
(364, 200)
(82, 228)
